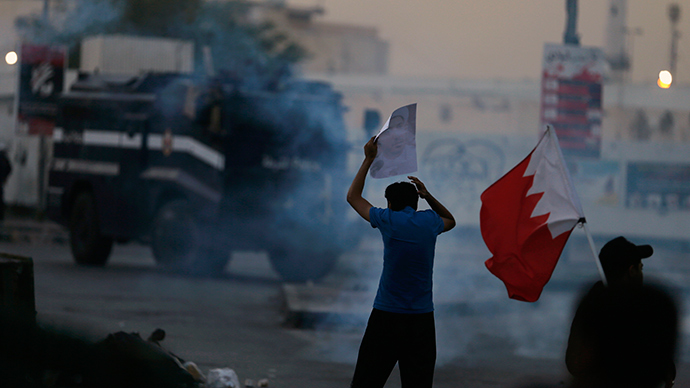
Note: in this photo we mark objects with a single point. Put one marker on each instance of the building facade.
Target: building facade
(470, 132)
(331, 48)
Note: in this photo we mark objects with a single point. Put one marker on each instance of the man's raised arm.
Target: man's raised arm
(434, 204)
(354, 194)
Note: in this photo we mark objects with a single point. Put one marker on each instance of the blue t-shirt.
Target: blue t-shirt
(409, 240)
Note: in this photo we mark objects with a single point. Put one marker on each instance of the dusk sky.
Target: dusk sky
(505, 38)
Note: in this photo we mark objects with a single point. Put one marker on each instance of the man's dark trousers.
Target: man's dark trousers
(409, 339)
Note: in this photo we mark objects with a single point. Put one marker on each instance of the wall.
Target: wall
(332, 48)
(470, 133)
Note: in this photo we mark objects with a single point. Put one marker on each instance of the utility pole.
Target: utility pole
(570, 35)
(42, 145)
(674, 16)
(46, 7)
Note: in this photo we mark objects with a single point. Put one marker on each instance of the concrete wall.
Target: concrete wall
(333, 48)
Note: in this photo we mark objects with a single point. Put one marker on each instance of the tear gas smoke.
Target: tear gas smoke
(475, 319)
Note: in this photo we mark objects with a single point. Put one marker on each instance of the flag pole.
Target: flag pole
(583, 222)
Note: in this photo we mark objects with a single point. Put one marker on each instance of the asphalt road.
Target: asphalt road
(237, 320)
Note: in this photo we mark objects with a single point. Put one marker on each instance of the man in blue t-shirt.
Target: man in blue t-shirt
(401, 327)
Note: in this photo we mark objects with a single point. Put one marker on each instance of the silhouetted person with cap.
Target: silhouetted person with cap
(623, 334)
(401, 326)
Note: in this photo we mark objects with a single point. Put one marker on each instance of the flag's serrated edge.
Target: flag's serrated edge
(558, 222)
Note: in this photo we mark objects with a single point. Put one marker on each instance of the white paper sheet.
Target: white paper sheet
(397, 148)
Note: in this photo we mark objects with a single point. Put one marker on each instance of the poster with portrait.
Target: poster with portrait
(397, 148)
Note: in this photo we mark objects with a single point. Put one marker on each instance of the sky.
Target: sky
(504, 39)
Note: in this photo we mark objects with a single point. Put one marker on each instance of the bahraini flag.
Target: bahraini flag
(527, 217)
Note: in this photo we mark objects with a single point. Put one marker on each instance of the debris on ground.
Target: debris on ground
(222, 378)
(194, 370)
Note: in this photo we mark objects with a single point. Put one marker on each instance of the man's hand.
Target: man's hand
(421, 189)
(371, 149)
(434, 204)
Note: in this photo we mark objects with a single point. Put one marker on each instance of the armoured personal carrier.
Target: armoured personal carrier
(200, 167)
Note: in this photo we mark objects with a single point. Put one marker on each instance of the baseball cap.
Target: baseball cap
(620, 252)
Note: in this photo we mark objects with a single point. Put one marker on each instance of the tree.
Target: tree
(640, 128)
(666, 124)
(159, 17)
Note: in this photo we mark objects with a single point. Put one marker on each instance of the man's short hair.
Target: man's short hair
(401, 195)
(617, 255)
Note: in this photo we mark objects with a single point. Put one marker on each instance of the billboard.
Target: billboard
(571, 97)
(41, 80)
(659, 186)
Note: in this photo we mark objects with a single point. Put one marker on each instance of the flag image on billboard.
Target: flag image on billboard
(571, 97)
(41, 78)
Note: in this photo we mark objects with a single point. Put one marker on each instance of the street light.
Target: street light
(11, 58)
(665, 79)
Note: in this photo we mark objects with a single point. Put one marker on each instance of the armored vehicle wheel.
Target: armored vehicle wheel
(89, 247)
(176, 242)
(301, 265)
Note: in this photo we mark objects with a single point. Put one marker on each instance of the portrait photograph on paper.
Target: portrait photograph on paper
(397, 149)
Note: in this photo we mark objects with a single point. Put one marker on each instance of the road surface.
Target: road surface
(238, 319)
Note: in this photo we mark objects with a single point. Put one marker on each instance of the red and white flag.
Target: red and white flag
(527, 217)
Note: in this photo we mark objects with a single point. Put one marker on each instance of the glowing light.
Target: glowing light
(11, 58)
(662, 85)
(665, 79)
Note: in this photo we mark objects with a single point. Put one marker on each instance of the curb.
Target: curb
(33, 232)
